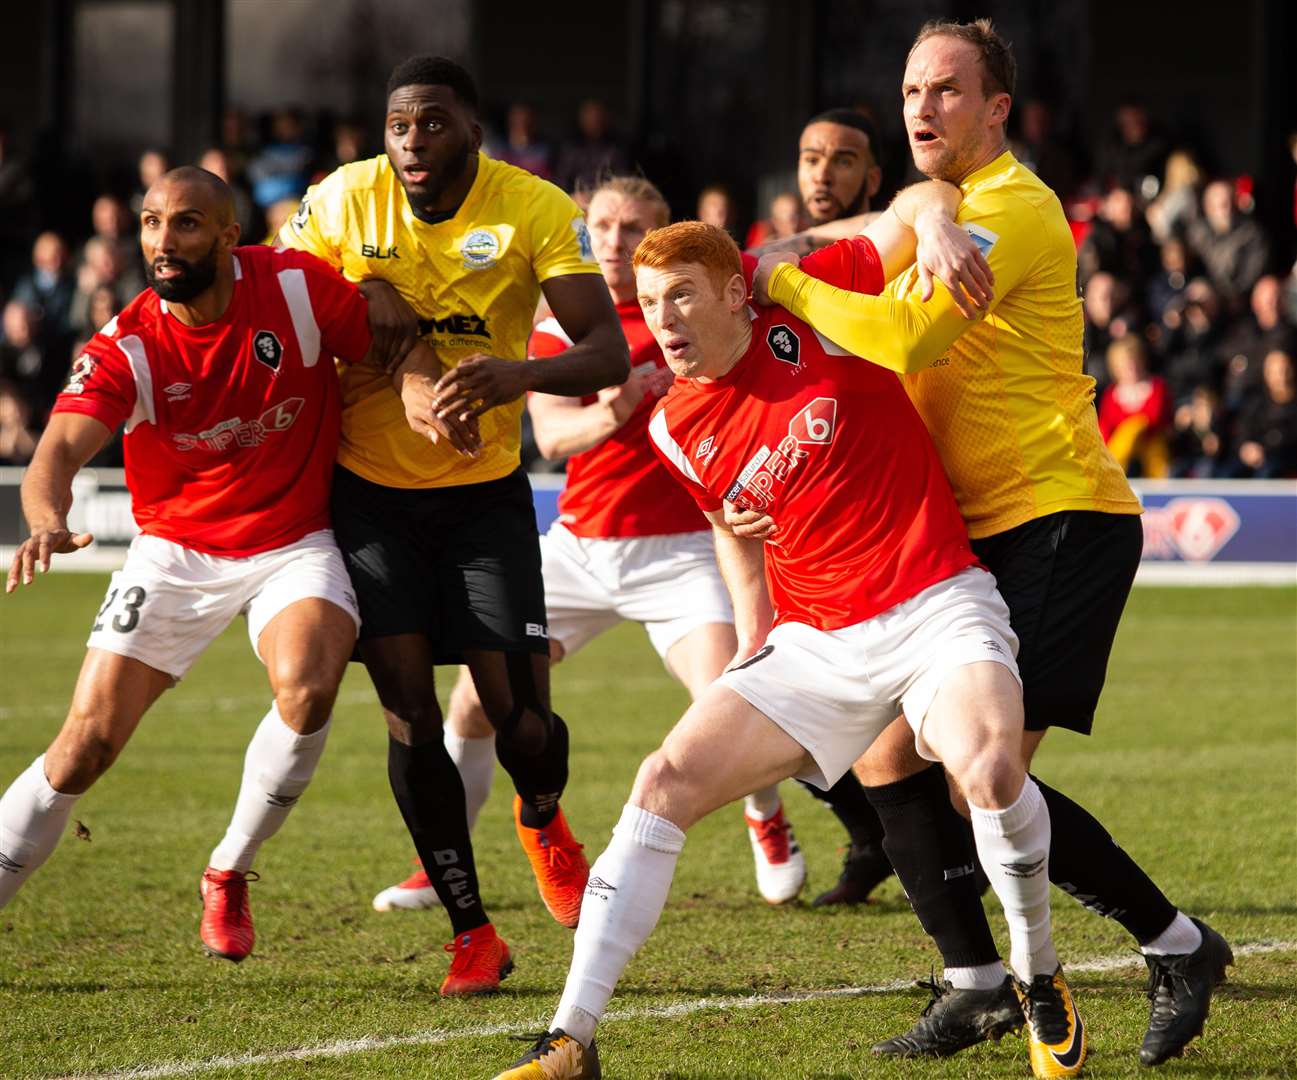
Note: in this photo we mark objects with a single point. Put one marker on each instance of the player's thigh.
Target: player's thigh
(974, 727)
(699, 657)
(113, 692)
(303, 620)
(722, 749)
(950, 649)
(578, 603)
(891, 757)
(1065, 578)
(167, 604)
(815, 686)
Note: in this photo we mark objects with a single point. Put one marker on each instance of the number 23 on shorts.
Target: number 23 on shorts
(127, 617)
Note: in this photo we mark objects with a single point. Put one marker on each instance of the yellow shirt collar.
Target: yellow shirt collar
(990, 170)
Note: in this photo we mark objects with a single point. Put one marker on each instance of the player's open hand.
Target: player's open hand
(765, 267)
(392, 321)
(946, 251)
(422, 412)
(37, 549)
(749, 524)
(480, 383)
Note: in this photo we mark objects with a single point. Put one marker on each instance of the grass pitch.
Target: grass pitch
(101, 971)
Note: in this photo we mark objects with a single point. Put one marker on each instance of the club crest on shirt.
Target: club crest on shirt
(82, 369)
(267, 349)
(583, 240)
(480, 249)
(784, 344)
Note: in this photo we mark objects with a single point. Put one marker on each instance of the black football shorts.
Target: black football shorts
(460, 564)
(1065, 578)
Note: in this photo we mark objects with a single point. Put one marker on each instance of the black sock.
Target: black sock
(538, 777)
(851, 806)
(1085, 861)
(931, 847)
(430, 793)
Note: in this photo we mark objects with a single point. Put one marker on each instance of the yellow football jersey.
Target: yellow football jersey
(1004, 397)
(474, 281)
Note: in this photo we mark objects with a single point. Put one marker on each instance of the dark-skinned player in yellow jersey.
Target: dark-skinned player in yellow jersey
(438, 531)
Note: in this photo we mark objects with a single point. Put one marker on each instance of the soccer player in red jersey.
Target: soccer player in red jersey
(222, 373)
(874, 599)
(629, 543)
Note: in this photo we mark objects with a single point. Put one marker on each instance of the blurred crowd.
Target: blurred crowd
(1190, 307)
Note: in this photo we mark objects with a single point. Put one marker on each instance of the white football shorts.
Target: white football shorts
(668, 583)
(834, 691)
(168, 603)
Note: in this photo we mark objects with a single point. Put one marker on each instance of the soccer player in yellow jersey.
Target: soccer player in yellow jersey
(1050, 514)
(438, 531)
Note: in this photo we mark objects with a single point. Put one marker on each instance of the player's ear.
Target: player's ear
(873, 180)
(475, 135)
(736, 292)
(1000, 109)
(230, 236)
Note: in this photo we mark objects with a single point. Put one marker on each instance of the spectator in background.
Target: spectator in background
(1197, 441)
(1108, 315)
(112, 225)
(1040, 148)
(217, 161)
(102, 269)
(785, 220)
(152, 164)
(17, 436)
(1119, 242)
(282, 169)
(595, 153)
(1167, 286)
(103, 305)
(1254, 336)
(1134, 154)
(38, 375)
(1191, 343)
(276, 215)
(716, 207)
(50, 286)
(1134, 411)
(1266, 432)
(1176, 205)
(1231, 246)
(523, 146)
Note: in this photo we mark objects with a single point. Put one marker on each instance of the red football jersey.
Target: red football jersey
(619, 488)
(231, 427)
(831, 447)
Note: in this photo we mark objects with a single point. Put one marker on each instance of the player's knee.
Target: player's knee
(992, 776)
(662, 787)
(413, 722)
(305, 700)
(524, 731)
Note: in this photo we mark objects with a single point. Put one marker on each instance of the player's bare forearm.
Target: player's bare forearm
(564, 426)
(929, 196)
(598, 356)
(817, 236)
(68, 442)
(415, 381)
(743, 567)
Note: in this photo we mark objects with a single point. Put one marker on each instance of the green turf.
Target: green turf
(100, 967)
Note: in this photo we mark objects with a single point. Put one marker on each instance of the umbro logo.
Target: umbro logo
(177, 391)
(282, 801)
(8, 864)
(705, 447)
(993, 645)
(1024, 869)
(599, 883)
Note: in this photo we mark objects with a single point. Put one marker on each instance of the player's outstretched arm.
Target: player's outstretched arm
(392, 321)
(68, 442)
(564, 426)
(742, 565)
(598, 356)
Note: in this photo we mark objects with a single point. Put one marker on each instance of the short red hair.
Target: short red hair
(691, 242)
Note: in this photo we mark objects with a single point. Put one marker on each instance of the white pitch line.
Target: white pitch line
(346, 1047)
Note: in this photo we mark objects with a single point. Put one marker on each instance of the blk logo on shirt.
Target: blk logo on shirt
(785, 344)
(266, 348)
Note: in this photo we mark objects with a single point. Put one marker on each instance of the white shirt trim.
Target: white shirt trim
(669, 447)
(293, 282)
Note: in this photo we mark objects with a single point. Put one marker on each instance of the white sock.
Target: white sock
(475, 760)
(981, 977)
(32, 818)
(763, 805)
(1013, 845)
(1178, 939)
(277, 768)
(628, 888)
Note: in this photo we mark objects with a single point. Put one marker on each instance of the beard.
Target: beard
(194, 278)
(437, 183)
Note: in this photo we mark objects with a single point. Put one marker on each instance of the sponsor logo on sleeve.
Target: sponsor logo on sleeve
(583, 240)
(82, 368)
(267, 349)
(982, 237)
